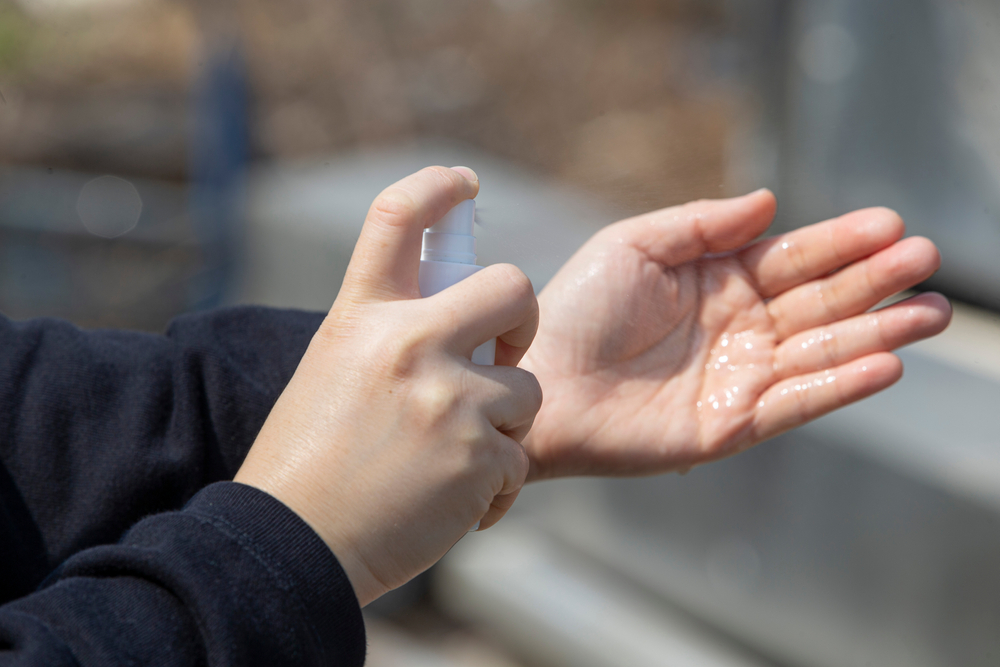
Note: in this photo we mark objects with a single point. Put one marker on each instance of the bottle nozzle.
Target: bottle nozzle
(459, 220)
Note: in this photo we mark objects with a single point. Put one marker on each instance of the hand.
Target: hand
(665, 342)
(388, 441)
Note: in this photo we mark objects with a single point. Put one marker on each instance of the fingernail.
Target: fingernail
(467, 173)
(475, 528)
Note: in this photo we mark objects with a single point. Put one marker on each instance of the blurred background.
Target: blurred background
(164, 156)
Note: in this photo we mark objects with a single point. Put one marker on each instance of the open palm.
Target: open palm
(667, 341)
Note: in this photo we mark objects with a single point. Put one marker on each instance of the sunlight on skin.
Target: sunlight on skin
(671, 340)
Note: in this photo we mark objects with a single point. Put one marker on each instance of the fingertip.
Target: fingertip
(893, 372)
(885, 222)
(759, 208)
(897, 369)
(763, 206)
(731, 223)
(924, 252)
(386, 257)
(941, 301)
(881, 370)
(467, 173)
(934, 313)
(463, 182)
(766, 197)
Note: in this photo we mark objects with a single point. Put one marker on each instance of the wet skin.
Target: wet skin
(671, 339)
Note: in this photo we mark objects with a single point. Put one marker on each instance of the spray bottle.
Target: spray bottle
(449, 255)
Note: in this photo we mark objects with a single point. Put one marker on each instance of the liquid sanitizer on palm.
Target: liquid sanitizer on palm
(448, 255)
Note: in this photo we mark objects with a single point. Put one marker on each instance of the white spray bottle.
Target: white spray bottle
(449, 255)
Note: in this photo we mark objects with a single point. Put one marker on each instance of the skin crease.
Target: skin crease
(671, 339)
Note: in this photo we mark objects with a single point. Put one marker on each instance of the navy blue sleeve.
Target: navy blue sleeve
(235, 578)
(99, 429)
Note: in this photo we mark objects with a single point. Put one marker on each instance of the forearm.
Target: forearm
(101, 428)
(234, 578)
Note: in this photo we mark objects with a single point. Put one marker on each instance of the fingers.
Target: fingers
(515, 399)
(856, 288)
(803, 398)
(497, 302)
(514, 465)
(387, 256)
(672, 236)
(511, 398)
(515, 470)
(883, 331)
(497, 510)
(782, 262)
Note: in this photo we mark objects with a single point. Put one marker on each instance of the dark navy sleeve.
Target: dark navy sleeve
(234, 578)
(99, 429)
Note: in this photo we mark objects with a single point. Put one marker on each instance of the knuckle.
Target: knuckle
(393, 206)
(802, 403)
(881, 335)
(472, 454)
(330, 332)
(437, 400)
(533, 393)
(402, 352)
(340, 323)
(871, 282)
(782, 367)
(514, 286)
(521, 464)
(488, 449)
(832, 298)
(799, 260)
(520, 283)
(829, 348)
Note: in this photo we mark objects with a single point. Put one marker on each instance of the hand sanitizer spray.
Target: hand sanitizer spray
(449, 255)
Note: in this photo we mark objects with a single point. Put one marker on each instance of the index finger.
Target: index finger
(497, 302)
(780, 263)
(386, 258)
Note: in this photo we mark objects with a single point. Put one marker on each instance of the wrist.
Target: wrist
(367, 587)
(297, 584)
(297, 498)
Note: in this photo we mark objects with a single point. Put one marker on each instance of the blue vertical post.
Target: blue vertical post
(218, 153)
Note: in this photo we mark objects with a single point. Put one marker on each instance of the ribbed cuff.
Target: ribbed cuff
(298, 558)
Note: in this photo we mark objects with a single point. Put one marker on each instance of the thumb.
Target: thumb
(386, 259)
(673, 236)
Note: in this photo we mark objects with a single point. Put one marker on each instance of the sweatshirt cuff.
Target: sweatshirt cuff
(297, 557)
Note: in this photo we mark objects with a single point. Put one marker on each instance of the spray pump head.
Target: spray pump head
(452, 238)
